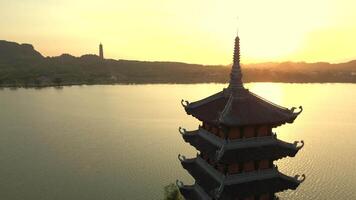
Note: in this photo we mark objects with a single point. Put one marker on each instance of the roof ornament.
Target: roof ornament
(184, 103)
(274, 134)
(300, 180)
(296, 143)
(300, 110)
(182, 131)
(219, 153)
(179, 184)
(181, 158)
(226, 109)
(219, 190)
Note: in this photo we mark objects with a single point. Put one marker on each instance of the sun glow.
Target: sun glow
(271, 91)
(188, 31)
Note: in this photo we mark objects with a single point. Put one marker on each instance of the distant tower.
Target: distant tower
(101, 51)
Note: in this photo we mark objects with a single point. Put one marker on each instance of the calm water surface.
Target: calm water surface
(121, 142)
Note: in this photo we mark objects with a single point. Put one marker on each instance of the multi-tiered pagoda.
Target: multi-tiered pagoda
(236, 144)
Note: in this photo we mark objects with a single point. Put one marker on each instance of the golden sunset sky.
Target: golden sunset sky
(193, 31)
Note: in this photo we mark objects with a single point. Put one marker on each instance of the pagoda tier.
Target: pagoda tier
(221, 150)
(196, 192)
(239, 107)
(243, 185)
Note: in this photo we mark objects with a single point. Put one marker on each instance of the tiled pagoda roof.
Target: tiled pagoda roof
(238, 185)
(195, 192)
(239, 107)
(240, 150)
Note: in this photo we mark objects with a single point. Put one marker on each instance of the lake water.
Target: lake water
(121, 142)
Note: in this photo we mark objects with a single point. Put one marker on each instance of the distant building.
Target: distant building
(236, 145)
(101, 51)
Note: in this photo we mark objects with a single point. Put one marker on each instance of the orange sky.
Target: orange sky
(188, 31)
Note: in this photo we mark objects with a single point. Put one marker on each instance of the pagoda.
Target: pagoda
(236, 144)
(101, 51)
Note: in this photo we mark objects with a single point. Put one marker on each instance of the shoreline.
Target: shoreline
(34, 86)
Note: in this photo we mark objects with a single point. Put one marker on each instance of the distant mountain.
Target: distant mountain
(21, 65)
(13, 52)
(303, 66)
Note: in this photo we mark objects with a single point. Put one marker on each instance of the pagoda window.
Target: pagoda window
(264, 197)
(233, 168)
(204, 156)
(221, 168)
(215, 130)
(207, 160)
(256, 131)
(221, 133)
(249, 166)
(264, 164)
(234, 133)
(270, 163)
(257, 164)
(263, 131)
(249, 198)
(226, 169)
(206, 126)
(249, 132)
(269, 130)
(211, 130)
(211, 162)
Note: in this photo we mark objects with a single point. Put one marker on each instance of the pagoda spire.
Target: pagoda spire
(236, 74)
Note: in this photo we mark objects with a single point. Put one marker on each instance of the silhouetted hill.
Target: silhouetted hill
(14, 52)
(22, 65)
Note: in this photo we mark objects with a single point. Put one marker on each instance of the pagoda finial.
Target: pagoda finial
(236, 74)
(237, 28)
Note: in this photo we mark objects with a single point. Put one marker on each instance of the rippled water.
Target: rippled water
(121, 142)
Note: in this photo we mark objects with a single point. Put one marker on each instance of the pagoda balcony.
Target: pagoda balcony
(240, 150)
(241, 185)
